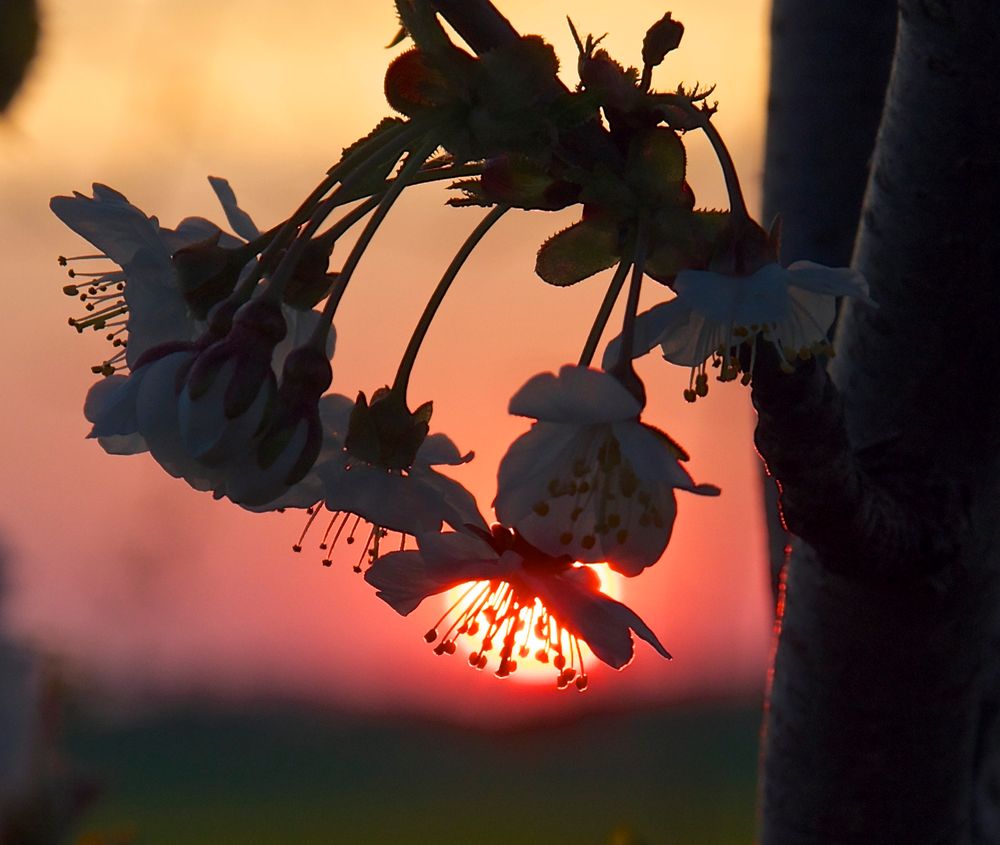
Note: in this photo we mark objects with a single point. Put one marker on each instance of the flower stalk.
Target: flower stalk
(402, 379)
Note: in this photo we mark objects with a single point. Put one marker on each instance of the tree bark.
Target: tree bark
(881, 724)
(828, 61)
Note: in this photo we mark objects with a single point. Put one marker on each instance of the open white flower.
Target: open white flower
(714, 314)
(139, 304)
(518, 602)
(154, 324)
(589, 480)
(408, 502)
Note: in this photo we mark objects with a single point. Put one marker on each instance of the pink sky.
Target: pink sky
(151, 586)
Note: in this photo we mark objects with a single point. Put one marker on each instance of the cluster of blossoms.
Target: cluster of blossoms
(222, 343)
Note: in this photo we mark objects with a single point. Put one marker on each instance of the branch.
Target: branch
(866, 517)
(829, 65)
(479, 23)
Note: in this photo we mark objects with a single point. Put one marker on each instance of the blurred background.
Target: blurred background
(170, 670)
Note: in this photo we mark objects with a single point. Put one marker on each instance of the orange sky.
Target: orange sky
(156, 587)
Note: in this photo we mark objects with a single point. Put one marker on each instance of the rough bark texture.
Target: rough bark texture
(882, 720)
(829, 68)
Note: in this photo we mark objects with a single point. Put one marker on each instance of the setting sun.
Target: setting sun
(494, 630)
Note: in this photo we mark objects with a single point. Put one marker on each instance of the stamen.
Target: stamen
(340, 520)
(64, 260)
(313, 513)
(515, 621)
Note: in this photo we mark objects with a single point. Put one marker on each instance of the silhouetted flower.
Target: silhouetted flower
(520, 602)
(714, 314)
(387, 498)
(589, 480)
(162, 339)
(141, 304)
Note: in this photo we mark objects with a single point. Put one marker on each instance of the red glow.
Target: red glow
(533, 646)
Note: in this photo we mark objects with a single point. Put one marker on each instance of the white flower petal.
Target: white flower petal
(110, 405)
(335, 413)
(649, 325)
(157, 314)
(209, 434)
(688, 338)
(808, 322)
(650, 456)
(241, 222)
(248, 483)
(535, 459)
(112, 224)
(156, 410)
(454, 548)
(577, 395)
(439, 449)
(191, 230)
(299, 328)
(385, 499)
(603, 623)
(404, 579)
(304, 494)
(460, 508)
(833, 281)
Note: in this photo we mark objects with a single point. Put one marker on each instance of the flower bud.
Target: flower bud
(289, 446)
(207, 273)
(230, 388)
(310, 282)
(414, 83)
(662, 37)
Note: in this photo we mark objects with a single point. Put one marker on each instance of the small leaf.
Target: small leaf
(685, 240)
(576, 253)
(656, 166)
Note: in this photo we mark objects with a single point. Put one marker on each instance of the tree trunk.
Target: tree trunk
(828, 60)
(881, 723)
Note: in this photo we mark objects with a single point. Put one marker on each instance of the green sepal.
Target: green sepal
(519, 182)
(386, 433)
(304, 292)
(310, 282)
(578, 252)
(362, 436)
(472, 194)
(614, 85)
(386, 124)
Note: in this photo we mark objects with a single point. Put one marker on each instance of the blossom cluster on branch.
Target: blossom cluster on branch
(222, 343)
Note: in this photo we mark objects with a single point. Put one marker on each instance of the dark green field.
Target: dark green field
(287, 775)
